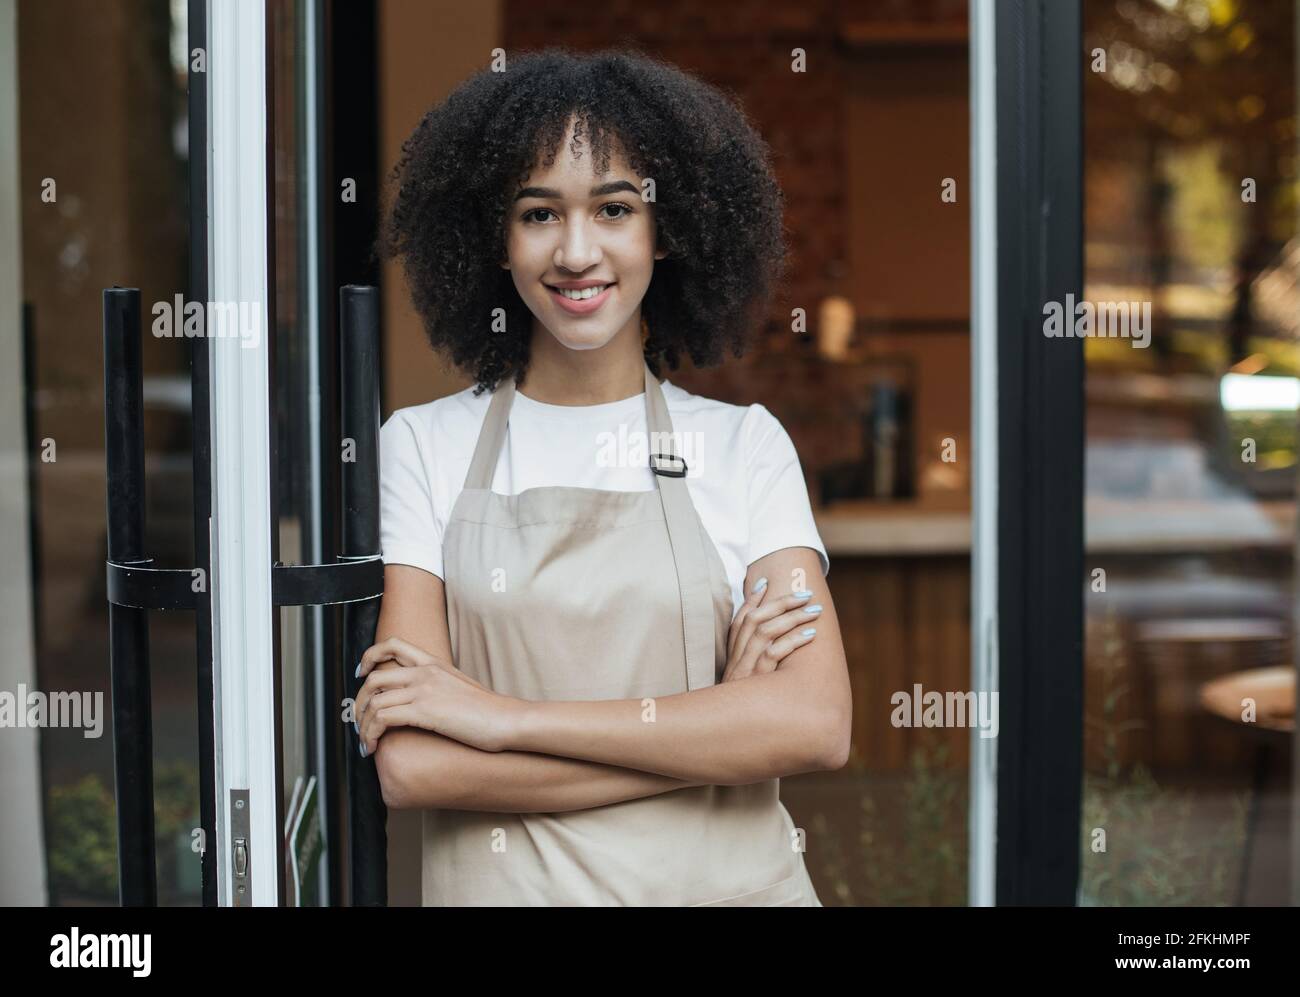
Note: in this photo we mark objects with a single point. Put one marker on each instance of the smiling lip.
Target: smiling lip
(583, 307)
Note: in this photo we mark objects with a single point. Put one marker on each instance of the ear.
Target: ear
(661, 254)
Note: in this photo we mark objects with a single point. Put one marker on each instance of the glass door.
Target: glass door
(294, 440)
(95, 147)
(1193, 237)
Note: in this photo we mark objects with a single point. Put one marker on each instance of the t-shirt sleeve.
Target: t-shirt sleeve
(780, 514)
(410, 531)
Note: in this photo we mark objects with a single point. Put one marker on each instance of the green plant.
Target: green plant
(1110, 666)
(81, 832)
(1152, 858)
(1145, 845)
(175, 808)
(927, 848)
(82, 842)
(902, 841)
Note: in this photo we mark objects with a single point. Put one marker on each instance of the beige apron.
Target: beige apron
(563, 593)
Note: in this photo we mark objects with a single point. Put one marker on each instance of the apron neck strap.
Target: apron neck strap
(487, 451)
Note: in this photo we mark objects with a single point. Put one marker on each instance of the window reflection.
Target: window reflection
(102, 111)
(1190, 205)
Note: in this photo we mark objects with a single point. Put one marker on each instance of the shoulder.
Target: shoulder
(751, 430)
(745, 421)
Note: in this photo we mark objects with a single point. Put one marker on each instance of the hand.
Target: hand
(765, 631)
(421, 690)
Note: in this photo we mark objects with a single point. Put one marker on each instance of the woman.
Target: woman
(595, 656)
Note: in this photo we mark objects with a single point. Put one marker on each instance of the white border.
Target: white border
(242, 612)
(982, 816)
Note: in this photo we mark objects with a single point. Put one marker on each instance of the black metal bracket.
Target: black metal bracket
(349, 579)
(138, 586)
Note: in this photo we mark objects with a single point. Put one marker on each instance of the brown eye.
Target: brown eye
(618, 204)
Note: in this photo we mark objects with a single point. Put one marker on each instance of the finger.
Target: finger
(364, 692)
(737, 669)
(747, 656)
(776, 606)
(382, 651)
(392, 649)
(782, 647)
(378, 681)
(729, 672)
(743, 629)
(769, 609)
(757, 656)
(779, 626)
(382, 716)
(753, 602)
(755, 596)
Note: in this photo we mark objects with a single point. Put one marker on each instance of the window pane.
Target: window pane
(103, 130)
(1191, 451)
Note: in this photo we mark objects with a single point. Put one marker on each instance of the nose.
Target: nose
(578, 250)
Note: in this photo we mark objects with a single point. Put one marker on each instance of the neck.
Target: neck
(558, 375)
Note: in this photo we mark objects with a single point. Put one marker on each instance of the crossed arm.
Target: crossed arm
(573, 755)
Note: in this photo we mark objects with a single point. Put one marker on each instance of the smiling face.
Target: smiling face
(581, 248)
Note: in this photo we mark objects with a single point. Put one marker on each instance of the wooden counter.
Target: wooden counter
(1112, 526)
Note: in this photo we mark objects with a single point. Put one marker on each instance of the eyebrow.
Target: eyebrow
(601, 190)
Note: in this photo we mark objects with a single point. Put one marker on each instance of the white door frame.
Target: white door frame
(982, 814)
(243, 617)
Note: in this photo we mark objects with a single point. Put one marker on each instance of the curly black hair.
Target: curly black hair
(717, 203)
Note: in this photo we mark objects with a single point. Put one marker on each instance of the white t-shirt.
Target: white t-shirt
(744, 475)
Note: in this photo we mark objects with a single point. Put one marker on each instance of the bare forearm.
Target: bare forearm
(763, 727)
(432, 771)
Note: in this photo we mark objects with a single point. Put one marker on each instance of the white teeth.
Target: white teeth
(586, 292)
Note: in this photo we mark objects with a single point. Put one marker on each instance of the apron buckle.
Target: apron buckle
(668, 472)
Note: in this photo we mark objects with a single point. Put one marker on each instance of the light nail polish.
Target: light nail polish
(803, 594)
(362, 747)
(759, 585)
(809, 631)
(357, 673)
(813, 609)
